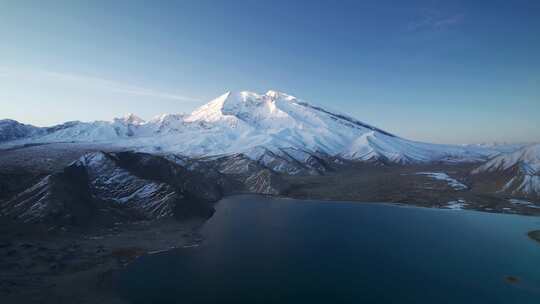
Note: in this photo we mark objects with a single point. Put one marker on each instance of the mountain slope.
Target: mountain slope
(520, 171)
(102, 186)
(60, 198)
(127, 184)
(12, 130)
(249, 123)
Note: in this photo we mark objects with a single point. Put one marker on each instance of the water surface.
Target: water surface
(264, 250)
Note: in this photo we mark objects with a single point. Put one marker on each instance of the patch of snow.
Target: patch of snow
(452, 182)
(456, 205)
(523, 203)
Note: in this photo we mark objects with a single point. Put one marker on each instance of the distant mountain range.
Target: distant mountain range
(255, 125)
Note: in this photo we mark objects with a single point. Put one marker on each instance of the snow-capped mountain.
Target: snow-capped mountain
(528, 156)
(12, 130)
(522, 169)
(499, 147)
(256, 125)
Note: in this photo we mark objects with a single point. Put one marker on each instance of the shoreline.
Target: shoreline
(81, 268)
(534, 235)
(469, 206)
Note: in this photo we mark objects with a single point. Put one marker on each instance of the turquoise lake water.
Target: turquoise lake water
(267, 250)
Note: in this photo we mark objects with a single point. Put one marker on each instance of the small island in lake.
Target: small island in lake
(535, 235)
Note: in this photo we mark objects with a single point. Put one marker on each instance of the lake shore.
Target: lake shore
(534, 235)
(81, 267)
(67, 267)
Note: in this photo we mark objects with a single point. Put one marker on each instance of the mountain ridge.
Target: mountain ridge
(518, 170)
(244, 122)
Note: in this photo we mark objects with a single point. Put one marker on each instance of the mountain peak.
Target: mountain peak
(11, 129)
(241, 104)
(279, 95)
(131, 118)
(8, 121)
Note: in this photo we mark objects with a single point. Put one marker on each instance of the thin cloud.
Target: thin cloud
(435, 20)
(93, 83)
(450, 21)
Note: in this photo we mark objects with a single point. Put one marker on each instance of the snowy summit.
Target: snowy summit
(253, 124)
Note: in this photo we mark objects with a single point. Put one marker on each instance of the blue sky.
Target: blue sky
(438, 71)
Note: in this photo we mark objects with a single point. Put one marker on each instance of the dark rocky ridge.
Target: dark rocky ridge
(63, 198)
(265, 182)
(102, 188)
(106, 187)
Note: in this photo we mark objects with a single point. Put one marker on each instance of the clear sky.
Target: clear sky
(438, 71)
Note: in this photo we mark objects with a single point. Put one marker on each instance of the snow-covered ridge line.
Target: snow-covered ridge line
(523, 166)
(248, 123)
(528, 157)
(347, 118)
